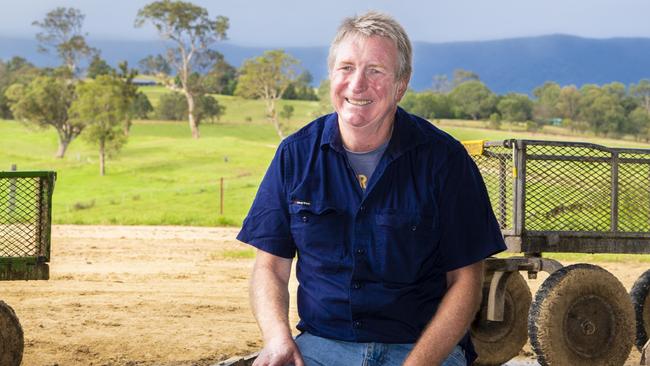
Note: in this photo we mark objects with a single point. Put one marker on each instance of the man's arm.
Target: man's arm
(453, 317)
(269, 297)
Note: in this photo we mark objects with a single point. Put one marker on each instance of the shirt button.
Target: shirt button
(362, 208)
(305, 219)
(356, 285)
(360, 251)
(357, 324)
(413, 228)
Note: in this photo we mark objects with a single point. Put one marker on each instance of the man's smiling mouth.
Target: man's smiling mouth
(358, 102)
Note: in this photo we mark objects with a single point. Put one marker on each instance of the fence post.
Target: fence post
(12, 192)
(221, 196)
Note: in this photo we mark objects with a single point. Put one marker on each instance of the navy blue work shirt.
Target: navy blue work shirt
(372, 264)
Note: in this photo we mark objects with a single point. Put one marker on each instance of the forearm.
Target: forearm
(269, 297)
(451, 321)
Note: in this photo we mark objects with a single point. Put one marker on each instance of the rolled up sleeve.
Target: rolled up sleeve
(266, 226)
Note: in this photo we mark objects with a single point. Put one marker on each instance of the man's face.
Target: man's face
(364, 89)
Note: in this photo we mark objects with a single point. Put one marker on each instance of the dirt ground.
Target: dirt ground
(154, 296)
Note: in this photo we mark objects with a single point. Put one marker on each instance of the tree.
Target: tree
(287, 112)
(640, 122)
(172, 107)
(61, 32)
(190, 29)
(462, 76)
(141, 106)
(515, 107)
(547, 97)
(16, 70)
(221, 78)
(474, 99)
(45, 102)
(324, 102)
(128, 89)
(100, 104)
(209, 108)
(267, 77)
(641, 91)
(602, 111)
(301, 89)
(441, 84)
(427, 104)
(568, 102)
(155, 65)
(98, 66)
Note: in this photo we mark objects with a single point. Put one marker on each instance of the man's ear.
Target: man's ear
(402, 86)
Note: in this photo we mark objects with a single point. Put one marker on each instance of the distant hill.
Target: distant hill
(518, 64)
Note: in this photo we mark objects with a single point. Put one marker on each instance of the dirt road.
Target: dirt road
(152, 296)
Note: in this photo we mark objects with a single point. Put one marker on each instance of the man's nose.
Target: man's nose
(359, 81)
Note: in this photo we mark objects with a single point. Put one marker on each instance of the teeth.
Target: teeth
(359, 102)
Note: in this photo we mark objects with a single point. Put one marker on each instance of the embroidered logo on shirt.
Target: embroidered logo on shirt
(302, 203)
(363, 180)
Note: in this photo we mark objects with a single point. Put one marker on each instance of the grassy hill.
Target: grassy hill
(163, 176)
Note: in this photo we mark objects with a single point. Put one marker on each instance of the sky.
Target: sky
(283, 23)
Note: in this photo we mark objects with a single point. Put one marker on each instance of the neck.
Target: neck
(367, 138)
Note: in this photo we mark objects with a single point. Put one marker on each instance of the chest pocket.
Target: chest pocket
(406, 244)
(318, 231)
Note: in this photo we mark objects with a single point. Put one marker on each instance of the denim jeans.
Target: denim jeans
(317, 351)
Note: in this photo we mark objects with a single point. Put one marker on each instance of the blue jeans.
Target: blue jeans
(317, 351)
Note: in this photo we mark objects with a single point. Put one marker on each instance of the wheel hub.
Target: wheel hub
(588, 326)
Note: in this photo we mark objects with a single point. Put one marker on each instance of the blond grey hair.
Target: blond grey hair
(374, 23)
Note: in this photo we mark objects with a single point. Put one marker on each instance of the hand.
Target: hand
(280, 353)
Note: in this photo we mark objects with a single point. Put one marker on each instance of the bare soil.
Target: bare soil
(155, 296)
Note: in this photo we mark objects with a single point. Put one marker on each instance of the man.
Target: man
(388, 215)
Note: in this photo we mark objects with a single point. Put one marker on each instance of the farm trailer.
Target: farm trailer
(551, 196)
(25, 224)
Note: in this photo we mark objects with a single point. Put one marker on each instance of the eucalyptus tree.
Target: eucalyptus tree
(190, 31)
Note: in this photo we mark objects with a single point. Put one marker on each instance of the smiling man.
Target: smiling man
(388, 216)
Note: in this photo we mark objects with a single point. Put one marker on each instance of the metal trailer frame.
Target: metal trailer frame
(25, 224)
(517, 192)
(633, 238)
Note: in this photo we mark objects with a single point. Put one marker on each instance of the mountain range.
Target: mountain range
(508, 65)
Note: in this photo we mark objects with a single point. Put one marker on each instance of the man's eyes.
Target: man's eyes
(370, 71)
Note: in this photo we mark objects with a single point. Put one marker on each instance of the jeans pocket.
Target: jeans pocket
(456, 358)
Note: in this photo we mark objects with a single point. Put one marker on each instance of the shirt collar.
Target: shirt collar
(406, 134)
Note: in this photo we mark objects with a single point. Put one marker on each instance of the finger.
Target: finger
(261, 360)
(297, 358)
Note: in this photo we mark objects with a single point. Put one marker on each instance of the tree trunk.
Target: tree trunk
(127, 127)
(102, 155)
(63, 146)
(190, 108)
(273, 116)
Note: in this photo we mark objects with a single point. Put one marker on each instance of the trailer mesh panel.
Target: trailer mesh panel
(24, 216)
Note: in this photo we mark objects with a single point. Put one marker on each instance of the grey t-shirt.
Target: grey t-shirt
(364, 163)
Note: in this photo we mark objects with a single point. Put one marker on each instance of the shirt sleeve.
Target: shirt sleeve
(469, 229)
(266, 226)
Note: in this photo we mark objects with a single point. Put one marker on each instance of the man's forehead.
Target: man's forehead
(353, 46)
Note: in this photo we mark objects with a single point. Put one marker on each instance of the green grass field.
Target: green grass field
(164, 177)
